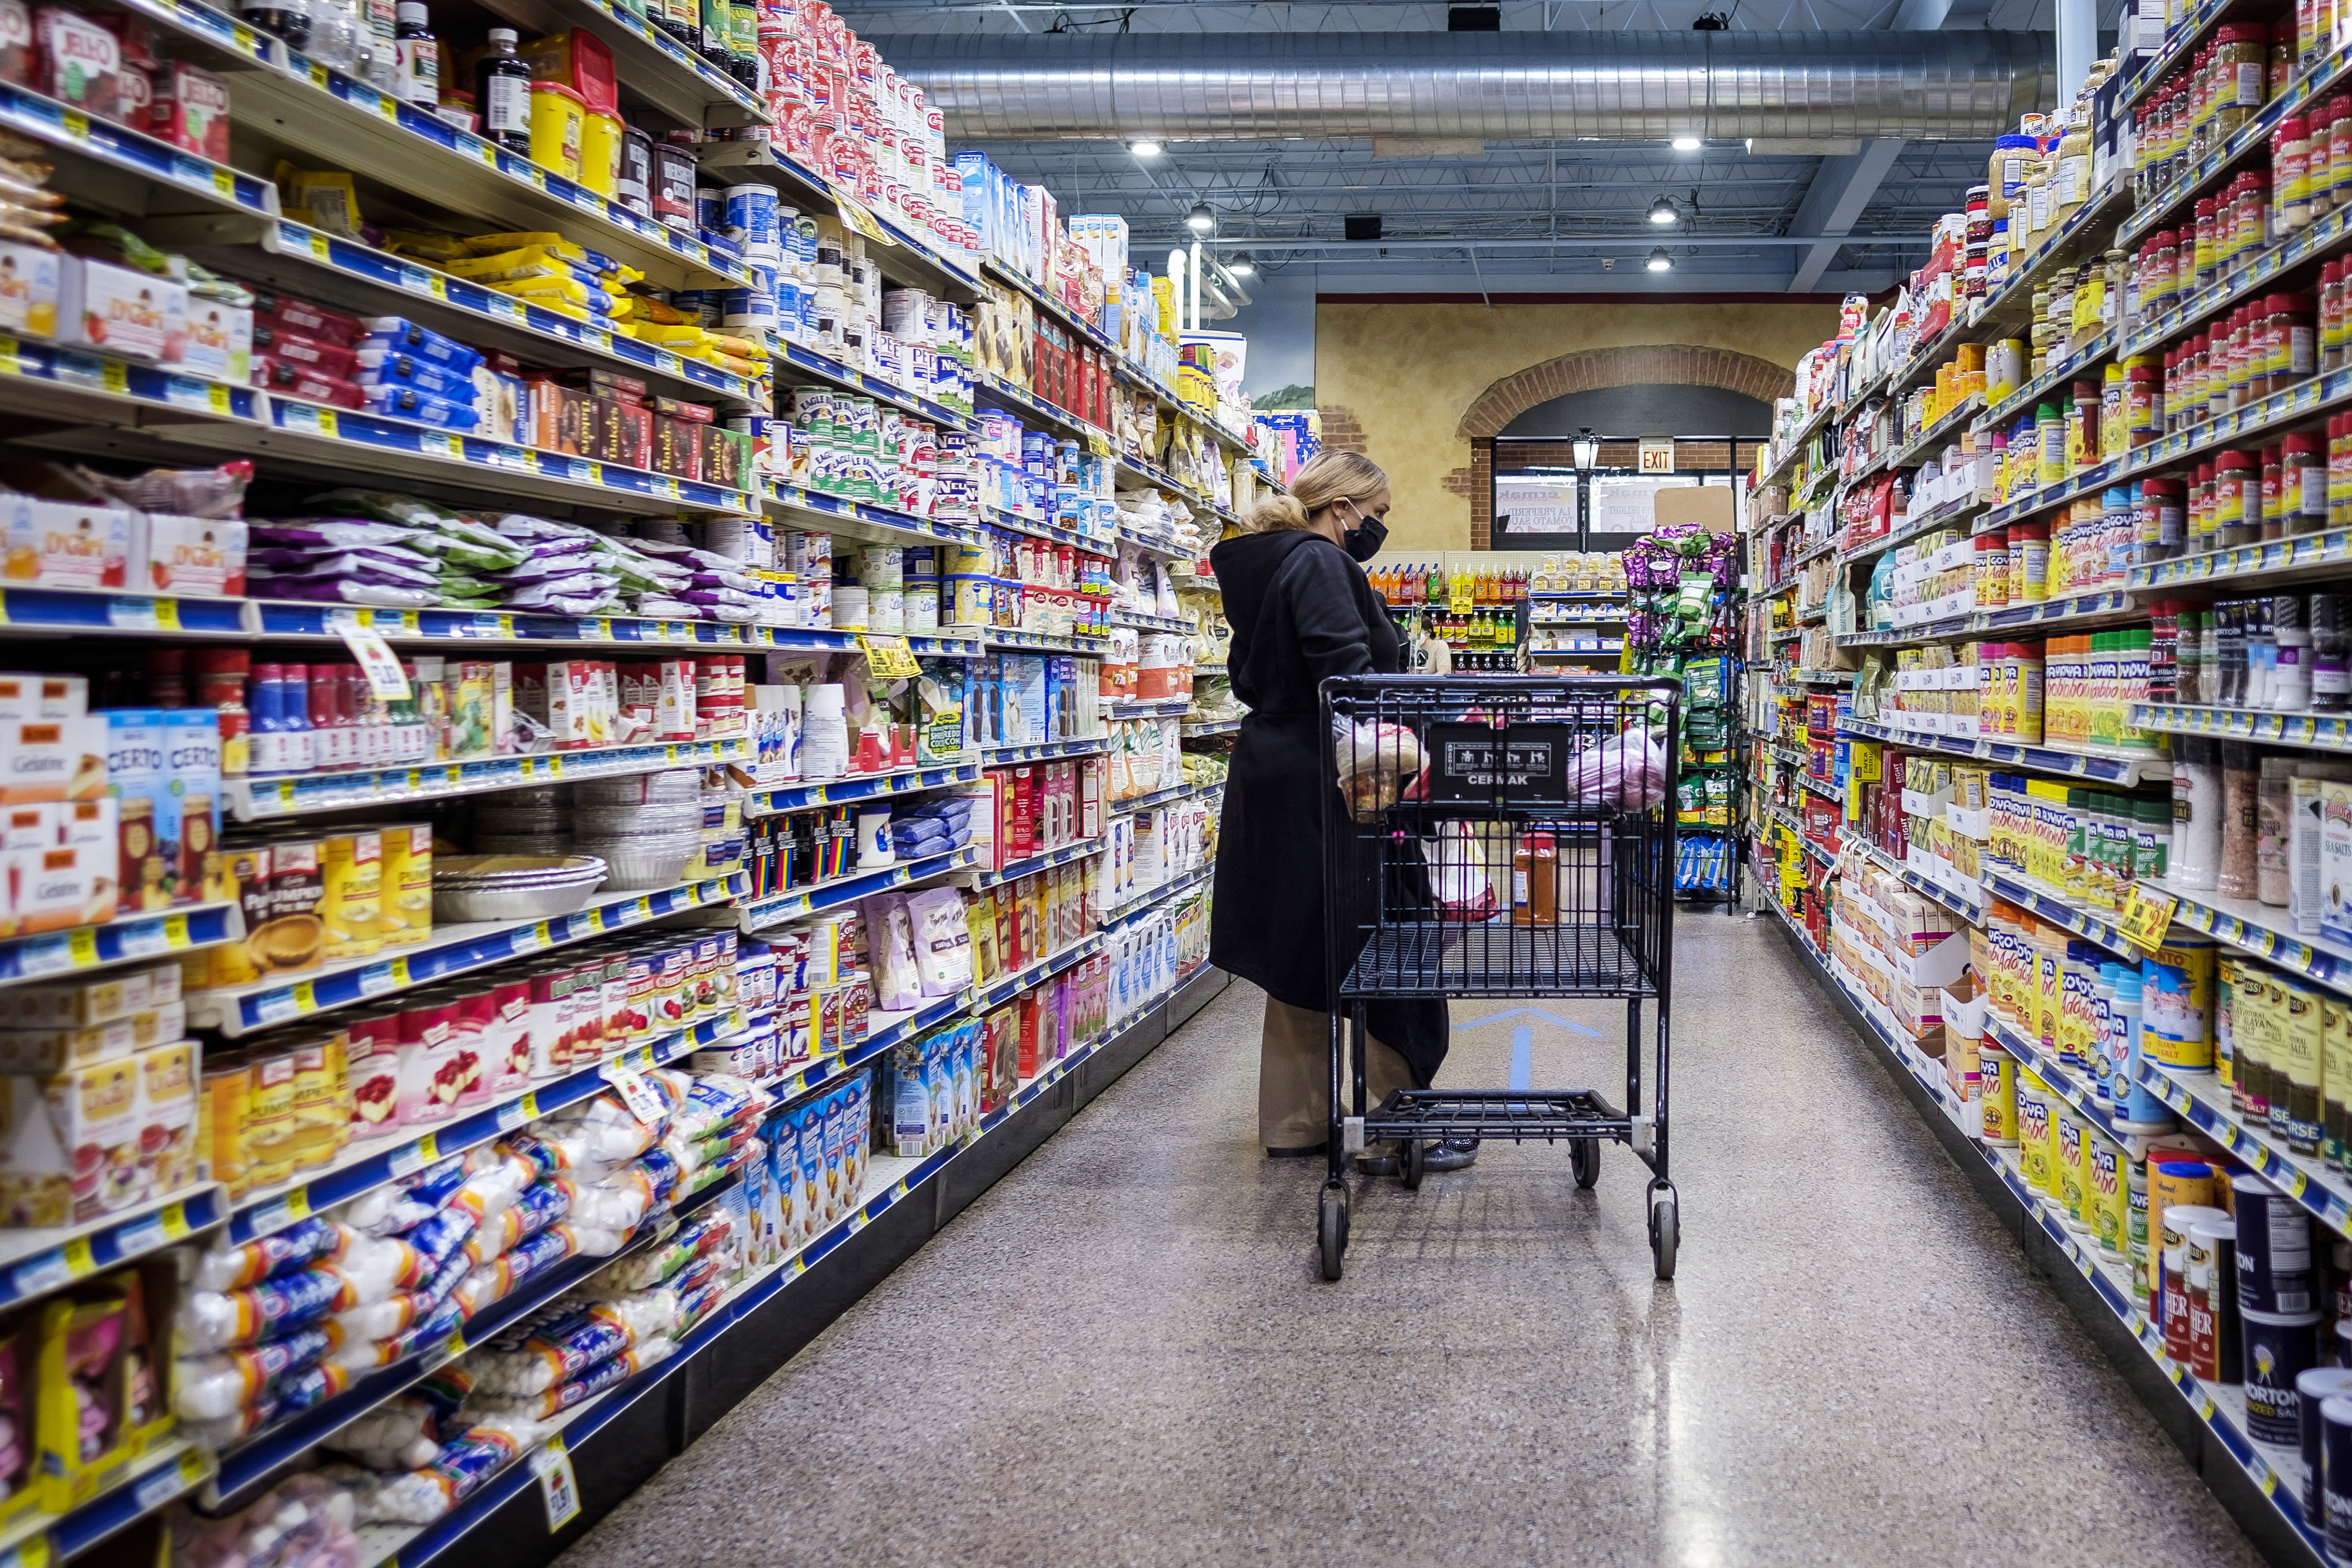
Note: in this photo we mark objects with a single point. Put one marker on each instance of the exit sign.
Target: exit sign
(1657, 455)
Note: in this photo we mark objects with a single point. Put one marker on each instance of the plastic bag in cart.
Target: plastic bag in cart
(1458, 880)
(1628, 771)
(1374, 761)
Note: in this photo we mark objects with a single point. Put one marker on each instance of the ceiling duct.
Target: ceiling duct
(1501, 87)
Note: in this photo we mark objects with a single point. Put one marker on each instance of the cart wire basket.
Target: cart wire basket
(1499, 836)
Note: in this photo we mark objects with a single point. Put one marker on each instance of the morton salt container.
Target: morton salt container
(2274, 1260)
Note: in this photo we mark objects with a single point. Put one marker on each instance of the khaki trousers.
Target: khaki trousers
(1294, 1077)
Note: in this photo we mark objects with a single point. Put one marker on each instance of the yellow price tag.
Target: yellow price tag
(317, 75)
(218, 397)
(428, 1148)
(399, 974)
(167, 615)
(327, 425)
(306, 996)
(82, 948)
(8, 364)
(245, 37)
(33, 1551)
(2147, 914)
(1099, 443)
(530, 1107)
(320, 246)
(77, 124)
(175, 1222)
(193, 1467)
(175, 931)
(114, 375)
(856, 218)
(387, 106)
(80, 1258)
(888, 657)
(224, 182)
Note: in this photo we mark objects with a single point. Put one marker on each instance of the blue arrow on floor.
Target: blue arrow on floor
(1523, 1039)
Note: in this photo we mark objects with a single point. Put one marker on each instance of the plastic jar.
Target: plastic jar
(2202, 263)
(2164, 522)
(2160, 293)
(2283, 57)
(2250, 214)
(601, 140)
(2271, 504)
(2236, 481)
(2336, 115)
(2037, 201)
(2295, 319)
(2201, 509)
(2303, 484)
(2143, 401)
(2290, 173)
(2070, 185)
(2332, 314)
(2049, 445)
(2241, 75)
(2005, 174)
(556, 116)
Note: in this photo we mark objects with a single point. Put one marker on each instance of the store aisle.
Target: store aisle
(1123, 1352)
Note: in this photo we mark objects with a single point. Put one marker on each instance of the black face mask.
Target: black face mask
(1364, 541)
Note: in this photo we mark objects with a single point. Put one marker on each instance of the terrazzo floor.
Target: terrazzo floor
(1123, 1352)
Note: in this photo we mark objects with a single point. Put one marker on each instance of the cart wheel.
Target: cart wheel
(1413, 1159)
(1331, 1228)
(1665, 1231)
(1584, 1160)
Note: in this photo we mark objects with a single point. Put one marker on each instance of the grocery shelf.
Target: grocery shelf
(36, 1261)
(1011, 522)
(2276, 1473)
(1581, 647)
(2045, 904)
(1164, 796)
(1182, 881)
(251, 1463)
(2062, 1080)
(2320, 731)
(2263, 930)
(112, 166)
(891, 1181)
(754, 914)
(2249, 273)
(450, 950)
(807, 361)
(1006, 756)
(1156, 544)
(1045, 860)
(1797, 440)
(1149, 707)
(1927, 522)
(903, 259)
(1051, 305)
(1927, 886)
(2114, 768)
(346, 275)
(1193, 728)
(2094, 351)
(1013, 638)
(652, 67)
(2320, 1189)
(775, 801)
(266, 799)
(2270, 563)
(805, 509)
(1577, 595)
(2237, 149)
(2181, 38)
(313, 113)
(42, 385)
(999, 991)
(147, 1482)
(364, 1165)
(126, 939)
(998, 392)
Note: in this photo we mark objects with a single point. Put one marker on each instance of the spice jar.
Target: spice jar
(2283, 59)
(2162, 511)
(2143, 401)
(2240, 76)
(2249, 227)
(2293, 333)
(2290, 173)
(2339, 470)
(2203, 260)
(2201, 507)
(2331, 675)
(2332, 316)
(2272, 504)
(2303, 484)
(2237, 498)
(2336, 115)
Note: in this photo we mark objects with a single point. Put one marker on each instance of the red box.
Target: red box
(303, 381)
(191, 110)
(637, 436)
(678, 447)
(288, 346)
(313, 321)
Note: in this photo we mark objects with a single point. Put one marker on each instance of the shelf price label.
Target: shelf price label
(558, 1486)
(2147, 914)
(889, 657)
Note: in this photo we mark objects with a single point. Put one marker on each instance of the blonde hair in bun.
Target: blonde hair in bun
(1328, 476)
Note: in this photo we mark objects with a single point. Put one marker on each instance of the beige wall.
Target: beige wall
(1407, 372)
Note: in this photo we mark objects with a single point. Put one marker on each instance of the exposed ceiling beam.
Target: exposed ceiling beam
(1841, 190)
(1928, 16)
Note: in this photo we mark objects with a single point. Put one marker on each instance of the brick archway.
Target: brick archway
(1659, 364)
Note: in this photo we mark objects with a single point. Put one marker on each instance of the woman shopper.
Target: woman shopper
(1301, 610)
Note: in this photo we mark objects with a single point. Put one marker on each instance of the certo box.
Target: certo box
(63, 544)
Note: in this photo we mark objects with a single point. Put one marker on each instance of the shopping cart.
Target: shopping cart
(1499, 836)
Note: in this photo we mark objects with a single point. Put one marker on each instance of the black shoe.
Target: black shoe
(1450, 1154)
(1379, 1165)
(1304, 1152)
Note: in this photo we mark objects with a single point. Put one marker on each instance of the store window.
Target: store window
(1542, 501)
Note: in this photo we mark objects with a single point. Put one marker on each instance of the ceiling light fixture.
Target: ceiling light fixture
(1240, 267)
(1662, 210)
(1688, 143)
(1200, 220)
(1144, 149)
(1660, 261)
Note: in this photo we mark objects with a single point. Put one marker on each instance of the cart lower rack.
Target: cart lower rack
(1503, 836)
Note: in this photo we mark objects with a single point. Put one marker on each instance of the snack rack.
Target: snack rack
(1556, 789)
